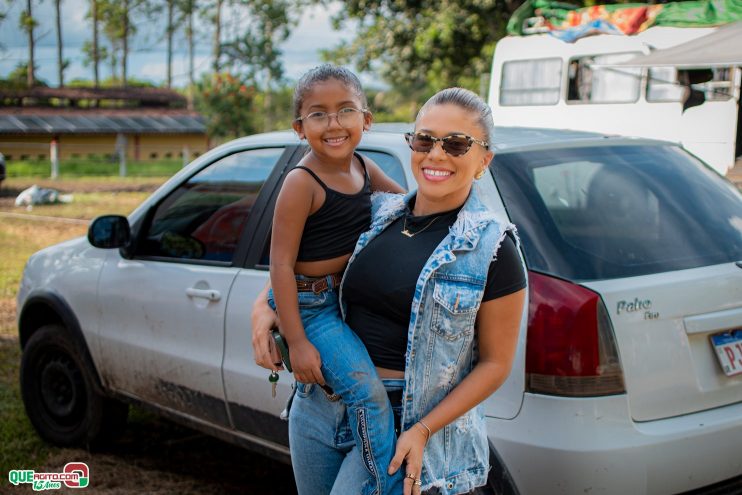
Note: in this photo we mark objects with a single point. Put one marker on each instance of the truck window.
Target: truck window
(531, 82)
(589, 84)
(662, 85)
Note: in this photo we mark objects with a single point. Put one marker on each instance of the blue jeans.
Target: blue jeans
(347, 368)
(323, 452)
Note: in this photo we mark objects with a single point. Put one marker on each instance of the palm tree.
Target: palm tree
(60, 60)
(28, 23)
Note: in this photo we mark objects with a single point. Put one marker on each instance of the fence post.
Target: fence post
(186, 155)
(54, 155)
(121, 149)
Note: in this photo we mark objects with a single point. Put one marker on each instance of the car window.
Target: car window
(204, 217)
(616, 211)
(389, 164)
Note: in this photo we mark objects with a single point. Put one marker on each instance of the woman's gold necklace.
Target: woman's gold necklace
(413, 234)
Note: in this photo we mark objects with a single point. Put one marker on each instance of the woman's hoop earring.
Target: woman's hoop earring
(480, 174)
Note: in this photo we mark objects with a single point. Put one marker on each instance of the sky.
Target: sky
(148, 58)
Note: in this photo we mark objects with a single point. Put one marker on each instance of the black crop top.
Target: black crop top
(380, 284)
(334, 228)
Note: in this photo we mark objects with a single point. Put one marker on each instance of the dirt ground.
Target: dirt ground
(153, 456)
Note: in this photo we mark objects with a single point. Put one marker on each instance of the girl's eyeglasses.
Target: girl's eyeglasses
(346, 117)
(454, 145)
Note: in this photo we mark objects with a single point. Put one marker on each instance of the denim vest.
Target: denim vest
(441, 344)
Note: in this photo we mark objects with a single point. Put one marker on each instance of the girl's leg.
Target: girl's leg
(320, 440)
(348, 369)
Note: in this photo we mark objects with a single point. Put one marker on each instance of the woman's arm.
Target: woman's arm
(498, 324)
(379, 180)
(293, 206)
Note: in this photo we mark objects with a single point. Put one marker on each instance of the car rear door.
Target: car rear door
(658, 236)
(163, 310)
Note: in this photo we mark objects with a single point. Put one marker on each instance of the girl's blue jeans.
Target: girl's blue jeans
(347, 368)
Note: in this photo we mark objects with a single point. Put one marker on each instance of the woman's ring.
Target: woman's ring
(411, 476)
(417, 482)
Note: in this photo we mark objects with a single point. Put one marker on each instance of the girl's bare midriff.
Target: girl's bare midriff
(323, 267)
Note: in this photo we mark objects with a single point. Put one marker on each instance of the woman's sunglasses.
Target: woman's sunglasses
(454, 145)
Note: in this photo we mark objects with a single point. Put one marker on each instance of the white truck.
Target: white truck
(592, 85)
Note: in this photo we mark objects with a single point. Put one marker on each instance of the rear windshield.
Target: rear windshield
(619, 211)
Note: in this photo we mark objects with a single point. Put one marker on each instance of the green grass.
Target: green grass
(83, 167)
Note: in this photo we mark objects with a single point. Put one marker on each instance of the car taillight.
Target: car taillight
(571, 349)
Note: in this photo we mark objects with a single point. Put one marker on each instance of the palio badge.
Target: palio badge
(637, 305)
(74, 475)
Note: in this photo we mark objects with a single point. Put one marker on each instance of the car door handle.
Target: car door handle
(211, 295)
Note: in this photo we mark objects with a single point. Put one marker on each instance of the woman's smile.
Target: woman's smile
(436, 174)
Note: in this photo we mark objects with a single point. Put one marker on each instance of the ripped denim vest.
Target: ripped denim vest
(441, 345)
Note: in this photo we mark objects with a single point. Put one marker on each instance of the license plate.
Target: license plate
(728, 347)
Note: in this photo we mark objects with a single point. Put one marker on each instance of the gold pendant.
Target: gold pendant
(407, 233)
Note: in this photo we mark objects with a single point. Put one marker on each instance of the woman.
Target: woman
(435, 290)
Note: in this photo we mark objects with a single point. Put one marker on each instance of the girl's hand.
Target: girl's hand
(410, 447)
(264, 350)
(306, 362)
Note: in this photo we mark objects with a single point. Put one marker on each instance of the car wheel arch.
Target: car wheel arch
(45, 308)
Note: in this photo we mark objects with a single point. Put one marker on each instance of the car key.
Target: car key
(273, 378)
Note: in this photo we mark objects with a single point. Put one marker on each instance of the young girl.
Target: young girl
(323, 207)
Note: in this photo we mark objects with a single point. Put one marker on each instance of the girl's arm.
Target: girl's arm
(293, 206)
(263, 320)
(379, 180)
(498, 324)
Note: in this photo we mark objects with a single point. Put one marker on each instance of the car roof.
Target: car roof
(504, 138)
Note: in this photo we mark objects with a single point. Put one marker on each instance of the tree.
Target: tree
(228, 103)
(188, 7)
(256, 54)
(92, 49)
(217, 41)
(421, 47)
(169, 32)
(61, 63)
(28, 24)
(116, 17)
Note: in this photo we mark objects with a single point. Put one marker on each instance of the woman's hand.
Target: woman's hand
(410, 447)
(306, 362)
(263, 320)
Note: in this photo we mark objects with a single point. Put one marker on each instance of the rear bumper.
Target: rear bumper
(567, 446)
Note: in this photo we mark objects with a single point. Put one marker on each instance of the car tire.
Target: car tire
(59, 392)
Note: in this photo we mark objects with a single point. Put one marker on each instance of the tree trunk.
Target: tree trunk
(170, 29)
(217, 36)
(60, 56)
(189, 36)
(125, 44)
(96, 57)
(30, 79)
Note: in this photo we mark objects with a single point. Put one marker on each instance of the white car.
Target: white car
(627, 377)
